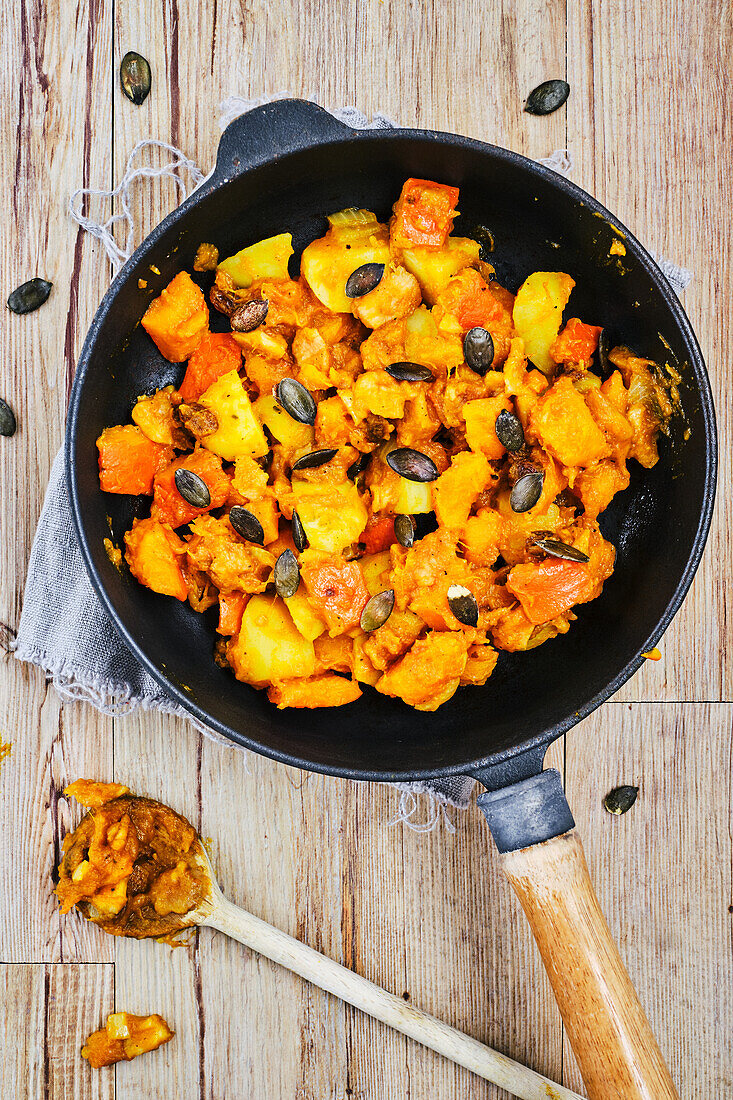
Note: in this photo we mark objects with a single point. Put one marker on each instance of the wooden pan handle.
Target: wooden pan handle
(613, 1042)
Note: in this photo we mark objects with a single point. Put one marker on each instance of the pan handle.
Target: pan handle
(544, 861)
(266, 132)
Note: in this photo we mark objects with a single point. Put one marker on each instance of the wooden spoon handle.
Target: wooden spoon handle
(384, 1006)
(608, 1031)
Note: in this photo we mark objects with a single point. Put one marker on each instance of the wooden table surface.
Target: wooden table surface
(649, 128)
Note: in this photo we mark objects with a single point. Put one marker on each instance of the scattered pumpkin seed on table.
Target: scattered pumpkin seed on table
(556, 548)
(547, 97)
(509, 430)
(135, 77)
(604, 348)
(8, 422)
(29, 296)
(463, 604)
(620, 799)
(299, 536)
(478, 350)
(404, 530)
(410, 372)
(297, 401)
(314, 459)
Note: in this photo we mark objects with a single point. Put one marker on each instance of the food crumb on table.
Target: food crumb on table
(124, 1037)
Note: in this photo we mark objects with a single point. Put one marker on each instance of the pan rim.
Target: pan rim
(216, 181)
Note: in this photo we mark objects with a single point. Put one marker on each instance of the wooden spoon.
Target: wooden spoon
(147, 823)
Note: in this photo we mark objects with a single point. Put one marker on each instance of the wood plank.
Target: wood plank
(663, 871)
(271, 827)
(55, 67)
(48, 1013)
(22, 1025)
(78, 1002)
(154, 754)
(658, 169)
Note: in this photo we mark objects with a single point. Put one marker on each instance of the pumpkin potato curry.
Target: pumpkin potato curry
(390, 468)
(124, 1037)
(132, 865)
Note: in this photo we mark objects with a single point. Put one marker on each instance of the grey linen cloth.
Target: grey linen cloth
(64, 629)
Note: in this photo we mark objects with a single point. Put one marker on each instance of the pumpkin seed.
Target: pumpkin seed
(286, 575)
(463, 604)
(526, 491)
(299, 536)
(604, 348)
(7, 419)
(135, 77)
(478, 350)
(249, 315)
(547, 97)
(558, 549)
(509, 430)
(620, 799)
(29, 296)
(357, 468)
(412, 465)
(192, 488)
(410, 372)
(296, 400)
(363, 280)
(404, 530)
(314, 459)
(378, 610)
(246, 524)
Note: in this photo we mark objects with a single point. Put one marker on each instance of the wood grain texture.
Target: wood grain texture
(667, 177)
(55, 1007)
(429, 916)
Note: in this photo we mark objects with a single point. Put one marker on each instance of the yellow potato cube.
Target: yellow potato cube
(434, 269)
(310, 624)
(333, 515)
(239, 433)
(267, 259)
(327, 263)
(269, 646)
(291, 433)
(538, 314)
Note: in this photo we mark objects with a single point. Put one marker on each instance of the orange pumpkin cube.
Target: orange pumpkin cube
(168, 504)
(154, 553)
(424, 214)
(336, 587)
(178, 318)
(128, 460)
(231, 610)
(329, 690)
(218, 353)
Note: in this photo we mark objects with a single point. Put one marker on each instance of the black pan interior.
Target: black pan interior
(658, 525)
